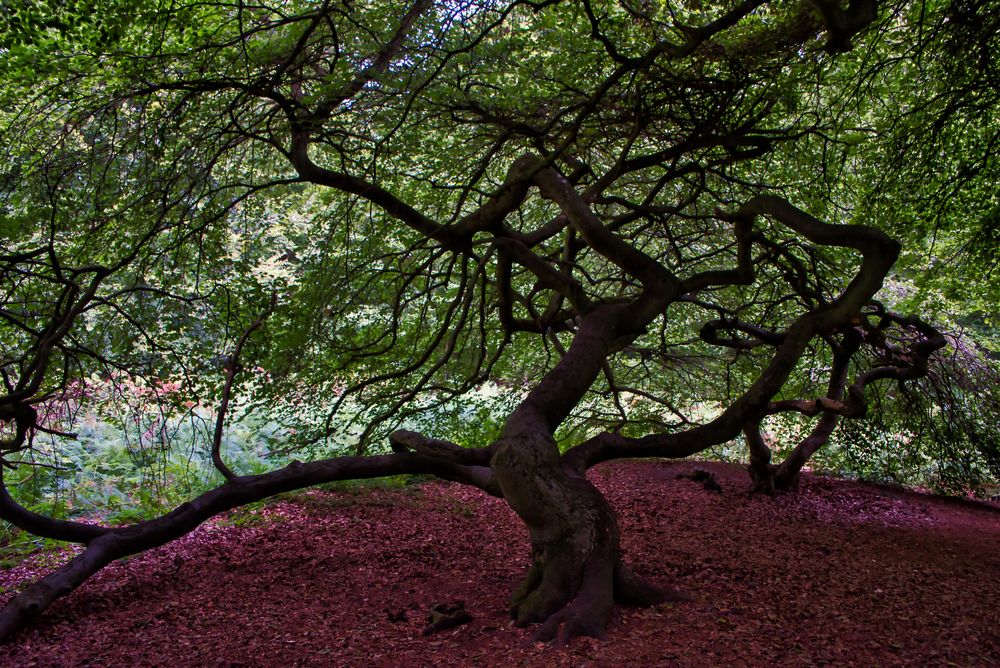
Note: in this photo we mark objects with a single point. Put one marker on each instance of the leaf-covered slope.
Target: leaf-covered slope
(842, 572)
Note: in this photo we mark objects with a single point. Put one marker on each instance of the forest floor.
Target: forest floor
(842, 574)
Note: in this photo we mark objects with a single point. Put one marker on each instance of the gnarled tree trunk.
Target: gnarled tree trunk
(574, 540)
(576, 572)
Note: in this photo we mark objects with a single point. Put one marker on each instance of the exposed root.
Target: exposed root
(545, 590)
(588, 613)
(568, 612)
(445, 616)
(631, 589)
(772, 480)
(706, 478)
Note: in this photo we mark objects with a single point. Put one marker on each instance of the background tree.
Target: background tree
(617, 206)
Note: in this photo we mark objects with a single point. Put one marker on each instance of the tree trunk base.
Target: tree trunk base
(576, 574)
(770, 479)
(570, 585)
(548, 596)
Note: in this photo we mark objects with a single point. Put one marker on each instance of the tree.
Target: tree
(615, 204)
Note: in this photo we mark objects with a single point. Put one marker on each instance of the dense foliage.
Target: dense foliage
(552, 233)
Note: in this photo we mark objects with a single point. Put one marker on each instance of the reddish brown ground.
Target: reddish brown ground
(842, 574)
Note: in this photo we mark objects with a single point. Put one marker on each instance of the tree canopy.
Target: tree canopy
(656, 226)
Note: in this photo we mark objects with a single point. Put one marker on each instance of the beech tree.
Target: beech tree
(623, 211)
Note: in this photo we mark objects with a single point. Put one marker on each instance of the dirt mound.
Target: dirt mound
(842, 574)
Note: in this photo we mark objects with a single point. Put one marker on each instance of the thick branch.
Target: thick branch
(24, 417)
(878, 251)
(710, 334)
(410, 441)
(47, 527)
(106, 545)
(605, 330)
(842, 25)
(395, 207)
(629, 259)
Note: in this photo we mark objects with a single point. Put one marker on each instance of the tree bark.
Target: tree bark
(760, 468)
(576, 572)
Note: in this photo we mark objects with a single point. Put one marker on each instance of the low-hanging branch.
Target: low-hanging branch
(104, 545)
(596, 206)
